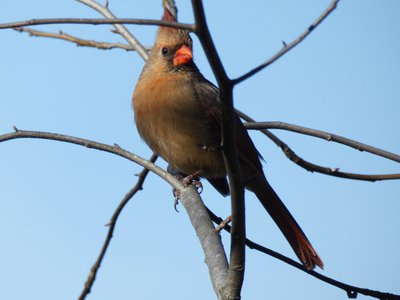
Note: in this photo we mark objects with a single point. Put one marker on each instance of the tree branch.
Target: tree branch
(289, 47)
(121, 29)
(89, 21)
(330, 137)
(208, 237)
(290, 154)
(78, 41)
(351, 291)
(210, 240)
(234, 281)
(113, 221)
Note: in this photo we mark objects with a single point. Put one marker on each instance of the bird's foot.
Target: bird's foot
(194, 180)
(186, 181)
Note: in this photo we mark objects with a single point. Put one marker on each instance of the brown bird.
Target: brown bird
(178, 114)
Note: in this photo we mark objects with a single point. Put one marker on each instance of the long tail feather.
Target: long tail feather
(286, 223)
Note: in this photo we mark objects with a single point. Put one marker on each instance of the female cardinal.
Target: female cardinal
(178, 114)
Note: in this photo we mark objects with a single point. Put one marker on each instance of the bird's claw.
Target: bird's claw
(176, 199)
(186, 181)
(194, 180)
(199, 187)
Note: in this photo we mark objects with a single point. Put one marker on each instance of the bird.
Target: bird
(177, 112)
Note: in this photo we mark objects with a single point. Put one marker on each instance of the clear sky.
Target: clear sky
(55, 198)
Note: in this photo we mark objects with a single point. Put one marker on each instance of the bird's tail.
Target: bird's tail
(286, 223)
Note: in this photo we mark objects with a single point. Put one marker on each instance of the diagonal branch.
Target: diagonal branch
(289, 47)
(351, 291)
(121, 29)
(78, 41)
(113, 221)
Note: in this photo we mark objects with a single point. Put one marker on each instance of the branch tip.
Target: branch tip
(290, 46)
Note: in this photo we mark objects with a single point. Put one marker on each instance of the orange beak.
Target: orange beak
(183, 56)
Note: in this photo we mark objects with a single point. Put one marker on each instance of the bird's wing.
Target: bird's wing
(209, 101)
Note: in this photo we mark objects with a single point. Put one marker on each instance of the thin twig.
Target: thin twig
(121, 29)
(351, 291)
(289, 47)
(115, 149)
(290, 154)
(78, 41)
(233, 285)
(113, 221)
(330, 137)
(223, 224)
(90, 21)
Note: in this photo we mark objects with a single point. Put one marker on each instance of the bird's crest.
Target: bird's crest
(168, 15)
(171, 35)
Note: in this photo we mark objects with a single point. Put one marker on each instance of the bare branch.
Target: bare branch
(78, 41)
(121, 29)
(115, 149)
(351, 291)
(286, 48)
(113, 221)
(110, 20)
(34, 22)
(330, 137)
(234, 281)
(290, 154)
(209, 238)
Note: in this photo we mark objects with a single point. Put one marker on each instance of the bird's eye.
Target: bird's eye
(164, 51)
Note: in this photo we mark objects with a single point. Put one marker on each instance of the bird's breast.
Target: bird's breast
(169, 118)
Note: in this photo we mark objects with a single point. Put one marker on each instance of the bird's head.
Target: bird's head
(173, 47)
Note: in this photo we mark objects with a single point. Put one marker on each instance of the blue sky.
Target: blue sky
(55, 198)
